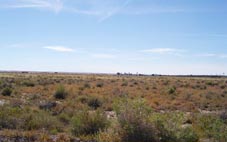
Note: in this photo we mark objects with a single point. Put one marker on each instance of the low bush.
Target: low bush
(211, 83)
(40, 120)
(89, 123)
(172, 90)
(133, 118)
(212, 127)
(28, 84)
(139, 124)
(222, 86)
(83, 99)
(64, 118)
(87, 85)
(60, 93)
(9, 118)
(99, 85)
(188, 135)
(171, 129)
(124, 84)
(110, 135)
(26, 119)
(94, 103)
(7, 91)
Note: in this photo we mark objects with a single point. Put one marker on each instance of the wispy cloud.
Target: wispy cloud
(53, 5)
(115, 10)
(152, 10)
(212, 55)
(206, 55)
(104, 56)
(102, 9)
(207, 35)
(59, 48)
(223, 56)
(162, 50)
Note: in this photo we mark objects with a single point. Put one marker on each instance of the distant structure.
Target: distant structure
(137, 74)
(155, 75)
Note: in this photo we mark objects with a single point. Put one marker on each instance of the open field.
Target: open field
(112, 108)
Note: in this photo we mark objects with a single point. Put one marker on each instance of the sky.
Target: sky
(108, 36)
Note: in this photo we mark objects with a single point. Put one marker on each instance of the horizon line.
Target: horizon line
(105, 73)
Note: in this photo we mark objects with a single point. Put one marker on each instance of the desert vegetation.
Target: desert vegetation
(112, 108)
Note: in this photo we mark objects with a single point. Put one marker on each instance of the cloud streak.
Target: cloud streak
(161, 50)
(152, 10)
(52, 5)
(99, 8)
(102, 9)
(115, 10)
(59, 48)
(212, 55)
(104, 56)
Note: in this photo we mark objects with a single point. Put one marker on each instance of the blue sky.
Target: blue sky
(109, 36)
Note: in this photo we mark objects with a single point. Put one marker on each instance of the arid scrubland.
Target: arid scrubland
(112, 108)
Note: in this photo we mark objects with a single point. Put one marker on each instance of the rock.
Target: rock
(75, 140)
(223, 115)
(48, 105)
(186, 125)
(17, 139)
(2, 102)
(111, 114)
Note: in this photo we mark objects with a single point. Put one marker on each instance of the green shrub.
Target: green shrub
(134, 121)
(9, 117)
(7, 91)
(110, 135)
(94, 103)
(213, 127)
(222, 86)
(40, 120)
(28, 84)
(124, 84)
(26, 119)
(87, 85)
(211, 83)
(172, 90)
(170, 129)
(83, 99)
(188, 135)
(99, 85)
(60, 93)
(87, 123)
(65, 118)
